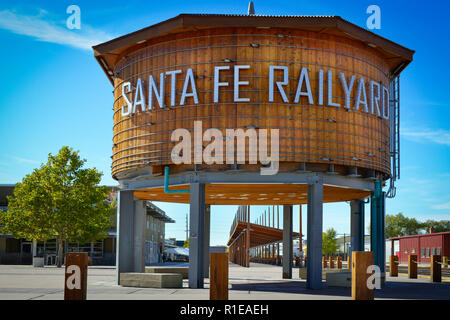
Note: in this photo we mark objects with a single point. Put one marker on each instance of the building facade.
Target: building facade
(102, 252)
(422, 245)
(156, 220)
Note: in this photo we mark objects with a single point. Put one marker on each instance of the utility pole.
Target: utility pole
(300, 236)
(187, 227)
(344, 247)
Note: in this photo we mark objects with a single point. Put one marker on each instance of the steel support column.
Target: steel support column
(377, 225)
(314, 236)
(287, 242)
(197, 235)
(125, 230)
(247, 237)
(140, 211)
(357, 225)
(206, 242)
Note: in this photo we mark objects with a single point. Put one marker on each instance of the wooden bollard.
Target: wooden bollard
(218, 277)
(75, 280)
(435, 268)
(361, 260)
(339, 262)
(445, 262)
(324, 262)
(331, 260)
(412, 266)
(393, 266)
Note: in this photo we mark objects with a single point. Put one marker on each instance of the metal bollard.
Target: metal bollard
(435, 268)
(361, 260)
(218, 277)
(393, 266)
(412, 266)
(445, 262)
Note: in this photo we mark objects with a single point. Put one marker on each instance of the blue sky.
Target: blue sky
(54, 93)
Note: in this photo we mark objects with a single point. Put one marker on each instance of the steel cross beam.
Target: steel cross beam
(187, 178)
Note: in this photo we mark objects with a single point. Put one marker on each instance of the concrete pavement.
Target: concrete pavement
(259, 282)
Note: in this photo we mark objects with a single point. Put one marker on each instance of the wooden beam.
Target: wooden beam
(435, 268)
(412, 266)
(75, 280)
(393, 266)
(361, 260)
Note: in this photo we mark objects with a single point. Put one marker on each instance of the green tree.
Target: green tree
(59, 200)
(439, 226)
(399, 225)
(329, 243)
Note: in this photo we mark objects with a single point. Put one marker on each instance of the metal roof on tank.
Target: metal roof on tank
(110, 52)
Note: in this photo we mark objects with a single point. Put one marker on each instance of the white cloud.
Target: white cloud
(442, 206)
(24, 160)
(49, 31)
(17, 160)
(438, 136)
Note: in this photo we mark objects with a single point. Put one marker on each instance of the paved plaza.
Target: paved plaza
(259, 282)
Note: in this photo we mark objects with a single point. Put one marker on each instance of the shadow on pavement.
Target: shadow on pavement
(291, 287)
(414, 290)
(391, 290)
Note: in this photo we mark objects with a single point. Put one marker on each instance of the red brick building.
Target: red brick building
(422, 245)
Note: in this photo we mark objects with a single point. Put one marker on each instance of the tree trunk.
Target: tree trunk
(60, 252)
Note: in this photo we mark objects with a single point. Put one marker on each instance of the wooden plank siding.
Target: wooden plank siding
(316, 134)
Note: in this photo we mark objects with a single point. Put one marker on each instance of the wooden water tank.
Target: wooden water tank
(327, 129)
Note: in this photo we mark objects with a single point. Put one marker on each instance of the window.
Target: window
(97, 249)
(438, 251)
(413, 250)
(428, 253)
(422, 253)
(148, 222)
(405, 251)
(433, 251)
